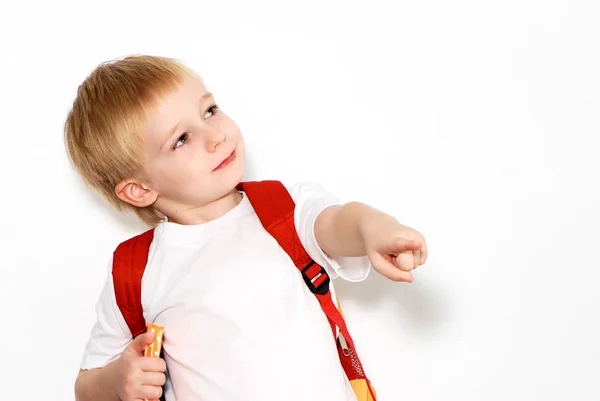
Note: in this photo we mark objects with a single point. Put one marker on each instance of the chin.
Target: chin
(234, 177)
(237, 179)
(237, 168)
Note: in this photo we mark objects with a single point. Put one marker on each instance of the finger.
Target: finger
(398, 245)
(151, 392)
(138, 345)
(153, 364)
(423, 254)
(386, 268)
(416, 258)
(154, 379)
(405, 261)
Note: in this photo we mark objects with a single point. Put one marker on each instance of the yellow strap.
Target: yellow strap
(361, 389)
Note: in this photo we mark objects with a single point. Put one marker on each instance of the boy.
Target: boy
(240, 322)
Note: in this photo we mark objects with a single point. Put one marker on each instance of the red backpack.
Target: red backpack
(275, 209)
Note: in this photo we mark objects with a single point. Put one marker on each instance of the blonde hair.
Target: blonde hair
(104, 130)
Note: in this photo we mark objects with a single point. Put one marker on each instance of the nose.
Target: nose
(214, 138)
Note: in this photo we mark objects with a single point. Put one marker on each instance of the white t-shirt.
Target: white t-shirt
(240, 322)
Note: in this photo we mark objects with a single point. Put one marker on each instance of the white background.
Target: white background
(476, 122)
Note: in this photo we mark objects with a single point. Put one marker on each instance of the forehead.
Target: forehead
(173, 102)
(171, 107)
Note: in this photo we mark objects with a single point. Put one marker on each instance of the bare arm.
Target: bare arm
(96, 384)
(132, 376)
(356, 229)
(340, 230)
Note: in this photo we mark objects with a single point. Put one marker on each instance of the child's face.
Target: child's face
(194, 152)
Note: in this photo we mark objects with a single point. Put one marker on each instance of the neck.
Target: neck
(189, 215)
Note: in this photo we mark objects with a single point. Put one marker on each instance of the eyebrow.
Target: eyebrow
(174, 129)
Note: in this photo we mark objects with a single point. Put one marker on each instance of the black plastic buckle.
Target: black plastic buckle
(321, 289)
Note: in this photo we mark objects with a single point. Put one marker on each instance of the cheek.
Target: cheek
(236, 132)
(241, 153)
(229, 126)
(176, 173)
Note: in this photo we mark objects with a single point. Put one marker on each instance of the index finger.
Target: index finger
(153, 364)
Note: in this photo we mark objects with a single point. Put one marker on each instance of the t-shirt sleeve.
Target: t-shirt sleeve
(311, 199)
(110, 335)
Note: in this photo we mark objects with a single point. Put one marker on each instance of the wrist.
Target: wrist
(109, 378)
(97, 383)
(369, 219)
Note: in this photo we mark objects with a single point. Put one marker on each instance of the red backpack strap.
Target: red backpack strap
(129, 263)
(275, 209)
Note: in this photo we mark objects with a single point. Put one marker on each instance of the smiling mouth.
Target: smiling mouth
(226, 162)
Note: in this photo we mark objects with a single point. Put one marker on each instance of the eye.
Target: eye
(212, 110)
(182, 139)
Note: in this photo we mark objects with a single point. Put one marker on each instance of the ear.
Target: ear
(135, 193)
